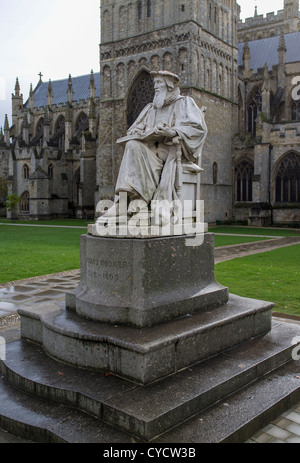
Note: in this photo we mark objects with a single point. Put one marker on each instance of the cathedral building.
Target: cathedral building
(49, 152)
(60, 155)
(266, 150)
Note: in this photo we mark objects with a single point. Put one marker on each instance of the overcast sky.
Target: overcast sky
(58, 38)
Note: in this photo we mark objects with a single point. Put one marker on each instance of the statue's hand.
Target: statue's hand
(165, 130)
(136, 131)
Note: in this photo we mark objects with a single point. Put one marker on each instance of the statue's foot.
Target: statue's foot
(191, 167)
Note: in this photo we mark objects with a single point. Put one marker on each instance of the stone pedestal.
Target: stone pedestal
(146, 349)
(145, 309)
(143, 282)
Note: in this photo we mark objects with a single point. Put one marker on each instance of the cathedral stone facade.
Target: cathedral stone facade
(60, 153)
(266, 150)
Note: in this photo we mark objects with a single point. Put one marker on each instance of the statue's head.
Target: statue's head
(165, 84)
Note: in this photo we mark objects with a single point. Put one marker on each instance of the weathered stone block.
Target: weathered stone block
(146, 282)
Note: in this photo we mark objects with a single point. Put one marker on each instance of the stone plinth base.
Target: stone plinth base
(145, 230)
(146, 282)
(148, 354)
(145, 309)
(147, 348)
(226, 398)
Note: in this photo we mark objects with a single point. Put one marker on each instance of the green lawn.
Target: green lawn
(33, 251)
(272, 276)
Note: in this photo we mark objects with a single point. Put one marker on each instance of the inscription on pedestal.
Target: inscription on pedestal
(106, 270)
(147, 282)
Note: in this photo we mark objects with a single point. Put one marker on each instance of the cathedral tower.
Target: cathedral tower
(195, 40)
(291, 9)
(291, 14)
(17, 103)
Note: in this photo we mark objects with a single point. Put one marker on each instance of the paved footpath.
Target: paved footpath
(241, 250)
(284, 429)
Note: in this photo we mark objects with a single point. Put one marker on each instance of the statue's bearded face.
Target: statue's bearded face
(161, 92)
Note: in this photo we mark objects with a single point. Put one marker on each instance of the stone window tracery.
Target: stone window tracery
(140, 10)
(295, 110)
(253, 109)
(244, 171)
(58, 138)
(38, 139)
(82, 124)
(25, 172)
(149, 9)
(287, 179)
(24, 204)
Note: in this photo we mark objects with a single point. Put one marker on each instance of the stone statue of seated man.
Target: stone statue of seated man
(168, 131)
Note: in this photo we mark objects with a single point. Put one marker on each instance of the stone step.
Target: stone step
(38, 420)
(244, 413)
(148, 411)
(148, 354)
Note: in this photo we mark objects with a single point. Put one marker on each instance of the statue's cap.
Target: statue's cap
(171, 79)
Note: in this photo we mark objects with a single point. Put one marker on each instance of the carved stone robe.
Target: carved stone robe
(149, 163)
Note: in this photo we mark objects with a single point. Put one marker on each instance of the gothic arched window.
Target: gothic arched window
(254, 108)
(39, 133)
(215, 173)
(244, 171)
(39, 126)
(76, 185)
(24, 204)
(295, 108)
(287, 179)
(25, 172)
(149, 9)
(82, 124)
(58, 138)
(50, 170)
(141, 93)
(140, 10)
(60, 124)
